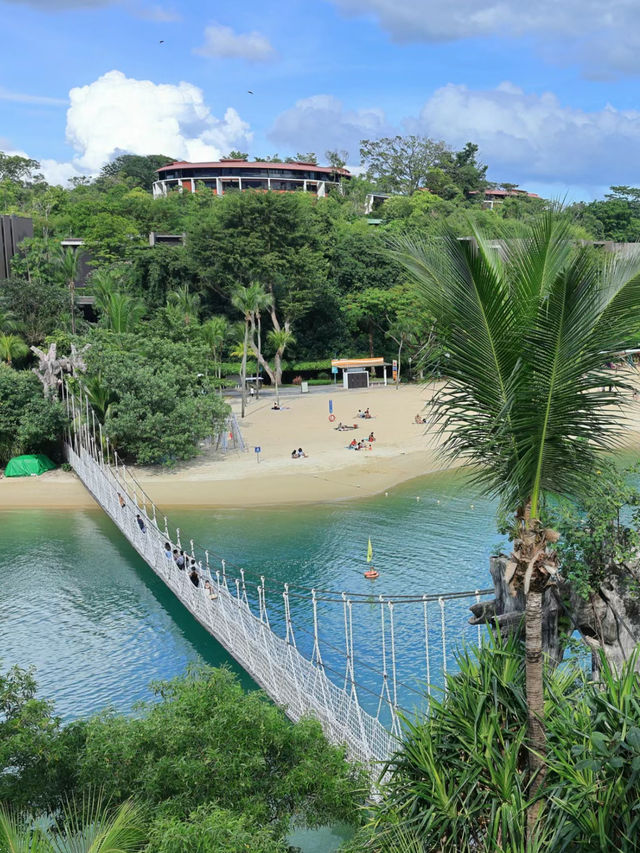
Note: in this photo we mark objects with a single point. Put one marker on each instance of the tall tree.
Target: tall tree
(68, 263)
(243, 300)
(214, 333)
(122, 312)
(400, 164)
(529, 338)
(184, 305)
(279, 339)
(139, 170)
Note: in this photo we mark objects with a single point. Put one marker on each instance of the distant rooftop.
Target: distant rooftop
(252, 164)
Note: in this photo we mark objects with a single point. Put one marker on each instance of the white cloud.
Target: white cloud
(116, 114)
(321, 122)
(20, 98)
(221, 41)
(158, 14)
(602, 35)
(526, 137)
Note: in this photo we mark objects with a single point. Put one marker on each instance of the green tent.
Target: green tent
(28, 465)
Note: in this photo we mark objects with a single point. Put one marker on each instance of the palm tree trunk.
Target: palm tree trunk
(537, 736)
(72, 300)
(243, 369)
(259, 356)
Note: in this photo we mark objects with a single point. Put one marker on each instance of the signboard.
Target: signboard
(334, 369)
(394, 370)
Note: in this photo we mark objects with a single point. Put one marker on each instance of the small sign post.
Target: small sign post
(257, 451)
(394, 370)
(330, 407)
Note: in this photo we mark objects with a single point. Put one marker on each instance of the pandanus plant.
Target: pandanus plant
(530, 397)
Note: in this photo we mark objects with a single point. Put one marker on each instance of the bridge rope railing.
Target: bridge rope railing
(326, 679)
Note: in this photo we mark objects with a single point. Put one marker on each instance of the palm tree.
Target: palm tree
(11, 346)
(100, 396)
(8, 321)
(122, 312)
(82, 827)
(214, 333)
(68, 264)
(184, 306)
(262, 300)
(103, 283)
(530, 332)
(279, 340)
(243, 300)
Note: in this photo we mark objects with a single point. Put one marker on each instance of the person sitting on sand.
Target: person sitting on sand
(276, 407)
(360, 413)
(367, 413)
(418, 419)
(371, 437)
(353, 444)
(294, 453)
(301, 453)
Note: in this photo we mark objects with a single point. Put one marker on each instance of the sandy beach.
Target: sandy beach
(402, 450)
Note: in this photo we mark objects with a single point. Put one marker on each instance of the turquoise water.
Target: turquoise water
(78, 603)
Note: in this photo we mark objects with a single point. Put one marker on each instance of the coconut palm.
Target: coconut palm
(243, 299)
(122, 312)
(86, 826)
(184, 306)
(262, 300)
(68, 265)
(12, 346)
(530, 332)
(214, 333)
(100, 396)
(279, 340)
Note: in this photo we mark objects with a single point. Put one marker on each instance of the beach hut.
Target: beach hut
(29, 465)
(355, 371)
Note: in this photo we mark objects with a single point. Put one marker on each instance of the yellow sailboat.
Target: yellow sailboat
(371, 573)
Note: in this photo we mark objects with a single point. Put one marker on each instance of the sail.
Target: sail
(369, 551)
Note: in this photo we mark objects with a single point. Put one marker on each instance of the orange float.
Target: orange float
(371, 574)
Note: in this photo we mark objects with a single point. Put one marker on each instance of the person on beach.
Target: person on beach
(121, 501)
(301, 453)
(194, 577)
(371, 437)
(367, 414)
(419, 419)
(294, 453)
(141, 523)
(353, 444)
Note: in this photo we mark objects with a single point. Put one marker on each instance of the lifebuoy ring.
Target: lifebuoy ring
(332, 418)
(371, 574)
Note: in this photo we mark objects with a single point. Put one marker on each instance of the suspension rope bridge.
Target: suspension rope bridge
(356, 700)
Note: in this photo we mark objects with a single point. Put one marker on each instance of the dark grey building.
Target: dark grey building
(13, 229)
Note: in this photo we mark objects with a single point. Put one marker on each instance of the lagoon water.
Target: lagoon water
(78, 604)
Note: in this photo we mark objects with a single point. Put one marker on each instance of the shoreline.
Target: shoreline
(403, 451)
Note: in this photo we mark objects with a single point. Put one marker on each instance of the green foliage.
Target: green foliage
(528, 340)
(38, 304)
(89, 826)
(208, 830)
(594, 535)
(29, 423)
(137, 170)
(158, 408)
(35, 754)
(458, 782)
(210, 766)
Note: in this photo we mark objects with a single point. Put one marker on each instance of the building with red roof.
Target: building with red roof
(229, 174)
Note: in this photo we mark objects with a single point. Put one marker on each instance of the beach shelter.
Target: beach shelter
(28, 465)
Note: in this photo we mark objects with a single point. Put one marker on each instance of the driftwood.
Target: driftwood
(608, 620)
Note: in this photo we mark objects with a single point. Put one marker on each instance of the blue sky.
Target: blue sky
(547, 89)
